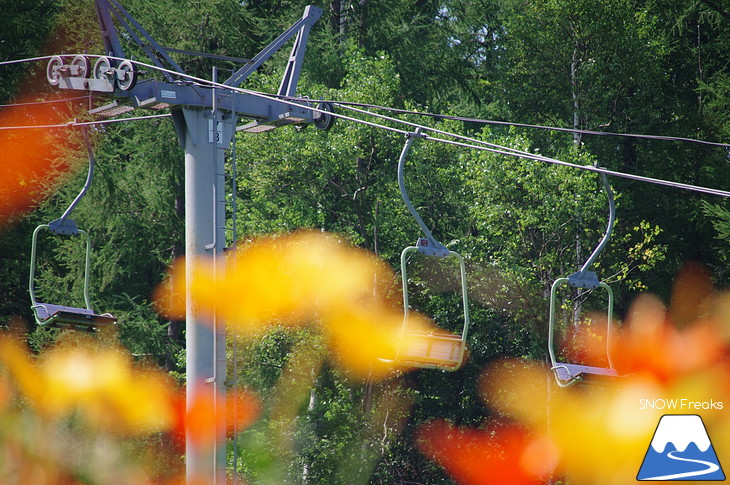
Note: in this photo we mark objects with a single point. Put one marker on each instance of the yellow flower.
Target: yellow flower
(100, 384)
(303, 278)
(672, 362)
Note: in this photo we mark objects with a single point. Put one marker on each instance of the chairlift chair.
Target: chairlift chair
(62, 316)
(438, 349)
(567, 373)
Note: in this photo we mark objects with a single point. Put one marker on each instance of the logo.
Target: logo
(681, 450)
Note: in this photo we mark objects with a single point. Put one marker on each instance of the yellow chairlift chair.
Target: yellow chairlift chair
(438, 349)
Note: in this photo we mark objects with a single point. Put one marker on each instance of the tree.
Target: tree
(621, 68)
(648, 67)
(23, 32)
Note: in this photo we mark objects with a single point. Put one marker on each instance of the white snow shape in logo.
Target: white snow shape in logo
(681, 430)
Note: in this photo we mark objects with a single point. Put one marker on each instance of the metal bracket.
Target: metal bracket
(85, 84)
(431, 247)
(291, 75)
(587, 280)
(64, 227)
(116, 77)
(288, 86)
(105, 9)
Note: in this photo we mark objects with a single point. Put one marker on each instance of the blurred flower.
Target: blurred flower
(100, 384)
(28, 155)
(361, 335)
(5, 393)
(280, 279)
(203, 419)
(663, 343)
(496, 455)
(81, 409)
(302, 278)
(602, 432)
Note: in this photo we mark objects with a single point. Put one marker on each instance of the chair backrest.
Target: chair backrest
(434, 350)
(561, 368)
(31, 276)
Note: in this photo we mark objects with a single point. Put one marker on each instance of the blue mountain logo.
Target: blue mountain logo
(681, 450)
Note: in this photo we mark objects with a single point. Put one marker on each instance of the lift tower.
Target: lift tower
(205, 118)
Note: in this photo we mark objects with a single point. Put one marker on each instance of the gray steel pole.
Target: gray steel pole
(205, 133)
(205, 141)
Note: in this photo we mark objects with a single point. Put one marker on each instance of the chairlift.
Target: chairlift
(438, 349)
(62, 316)
(566, 373)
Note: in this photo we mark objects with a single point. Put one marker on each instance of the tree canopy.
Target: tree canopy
(617, 66)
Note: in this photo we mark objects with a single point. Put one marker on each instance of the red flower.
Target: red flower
(496, 455)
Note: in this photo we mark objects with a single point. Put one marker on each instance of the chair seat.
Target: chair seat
(570, 372)
(65, 316)
(433, 349)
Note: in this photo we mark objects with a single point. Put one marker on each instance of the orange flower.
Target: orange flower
(208, 416)
(651, 345)
(671, 361)
(600, 434)
(28, 154)
(496, 455)
(279, 279)
(668, 344)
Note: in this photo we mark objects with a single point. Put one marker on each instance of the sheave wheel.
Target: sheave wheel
(52, 74)
(82, 65)
(126, 75)
(101, 68)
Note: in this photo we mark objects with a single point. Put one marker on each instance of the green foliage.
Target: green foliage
(648, 67)
(717, 98)
(720, 217)
(332, 181)
(22, 35)
(544, 221)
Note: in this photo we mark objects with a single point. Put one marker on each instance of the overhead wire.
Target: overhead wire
(410, 112)
(521, 125)
(206, 82)
(34, 103)
(591, 168)
(513, 151)
(27, 59)
(474, 143)
(403, 111)
(73, 124)
(477, 144)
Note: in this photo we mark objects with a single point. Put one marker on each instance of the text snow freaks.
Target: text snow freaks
(679, 404)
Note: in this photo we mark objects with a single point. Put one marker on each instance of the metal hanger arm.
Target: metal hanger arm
(64, 225)
(585, 278)
(429, 245)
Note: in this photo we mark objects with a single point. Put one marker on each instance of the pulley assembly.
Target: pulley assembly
(105, 76)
